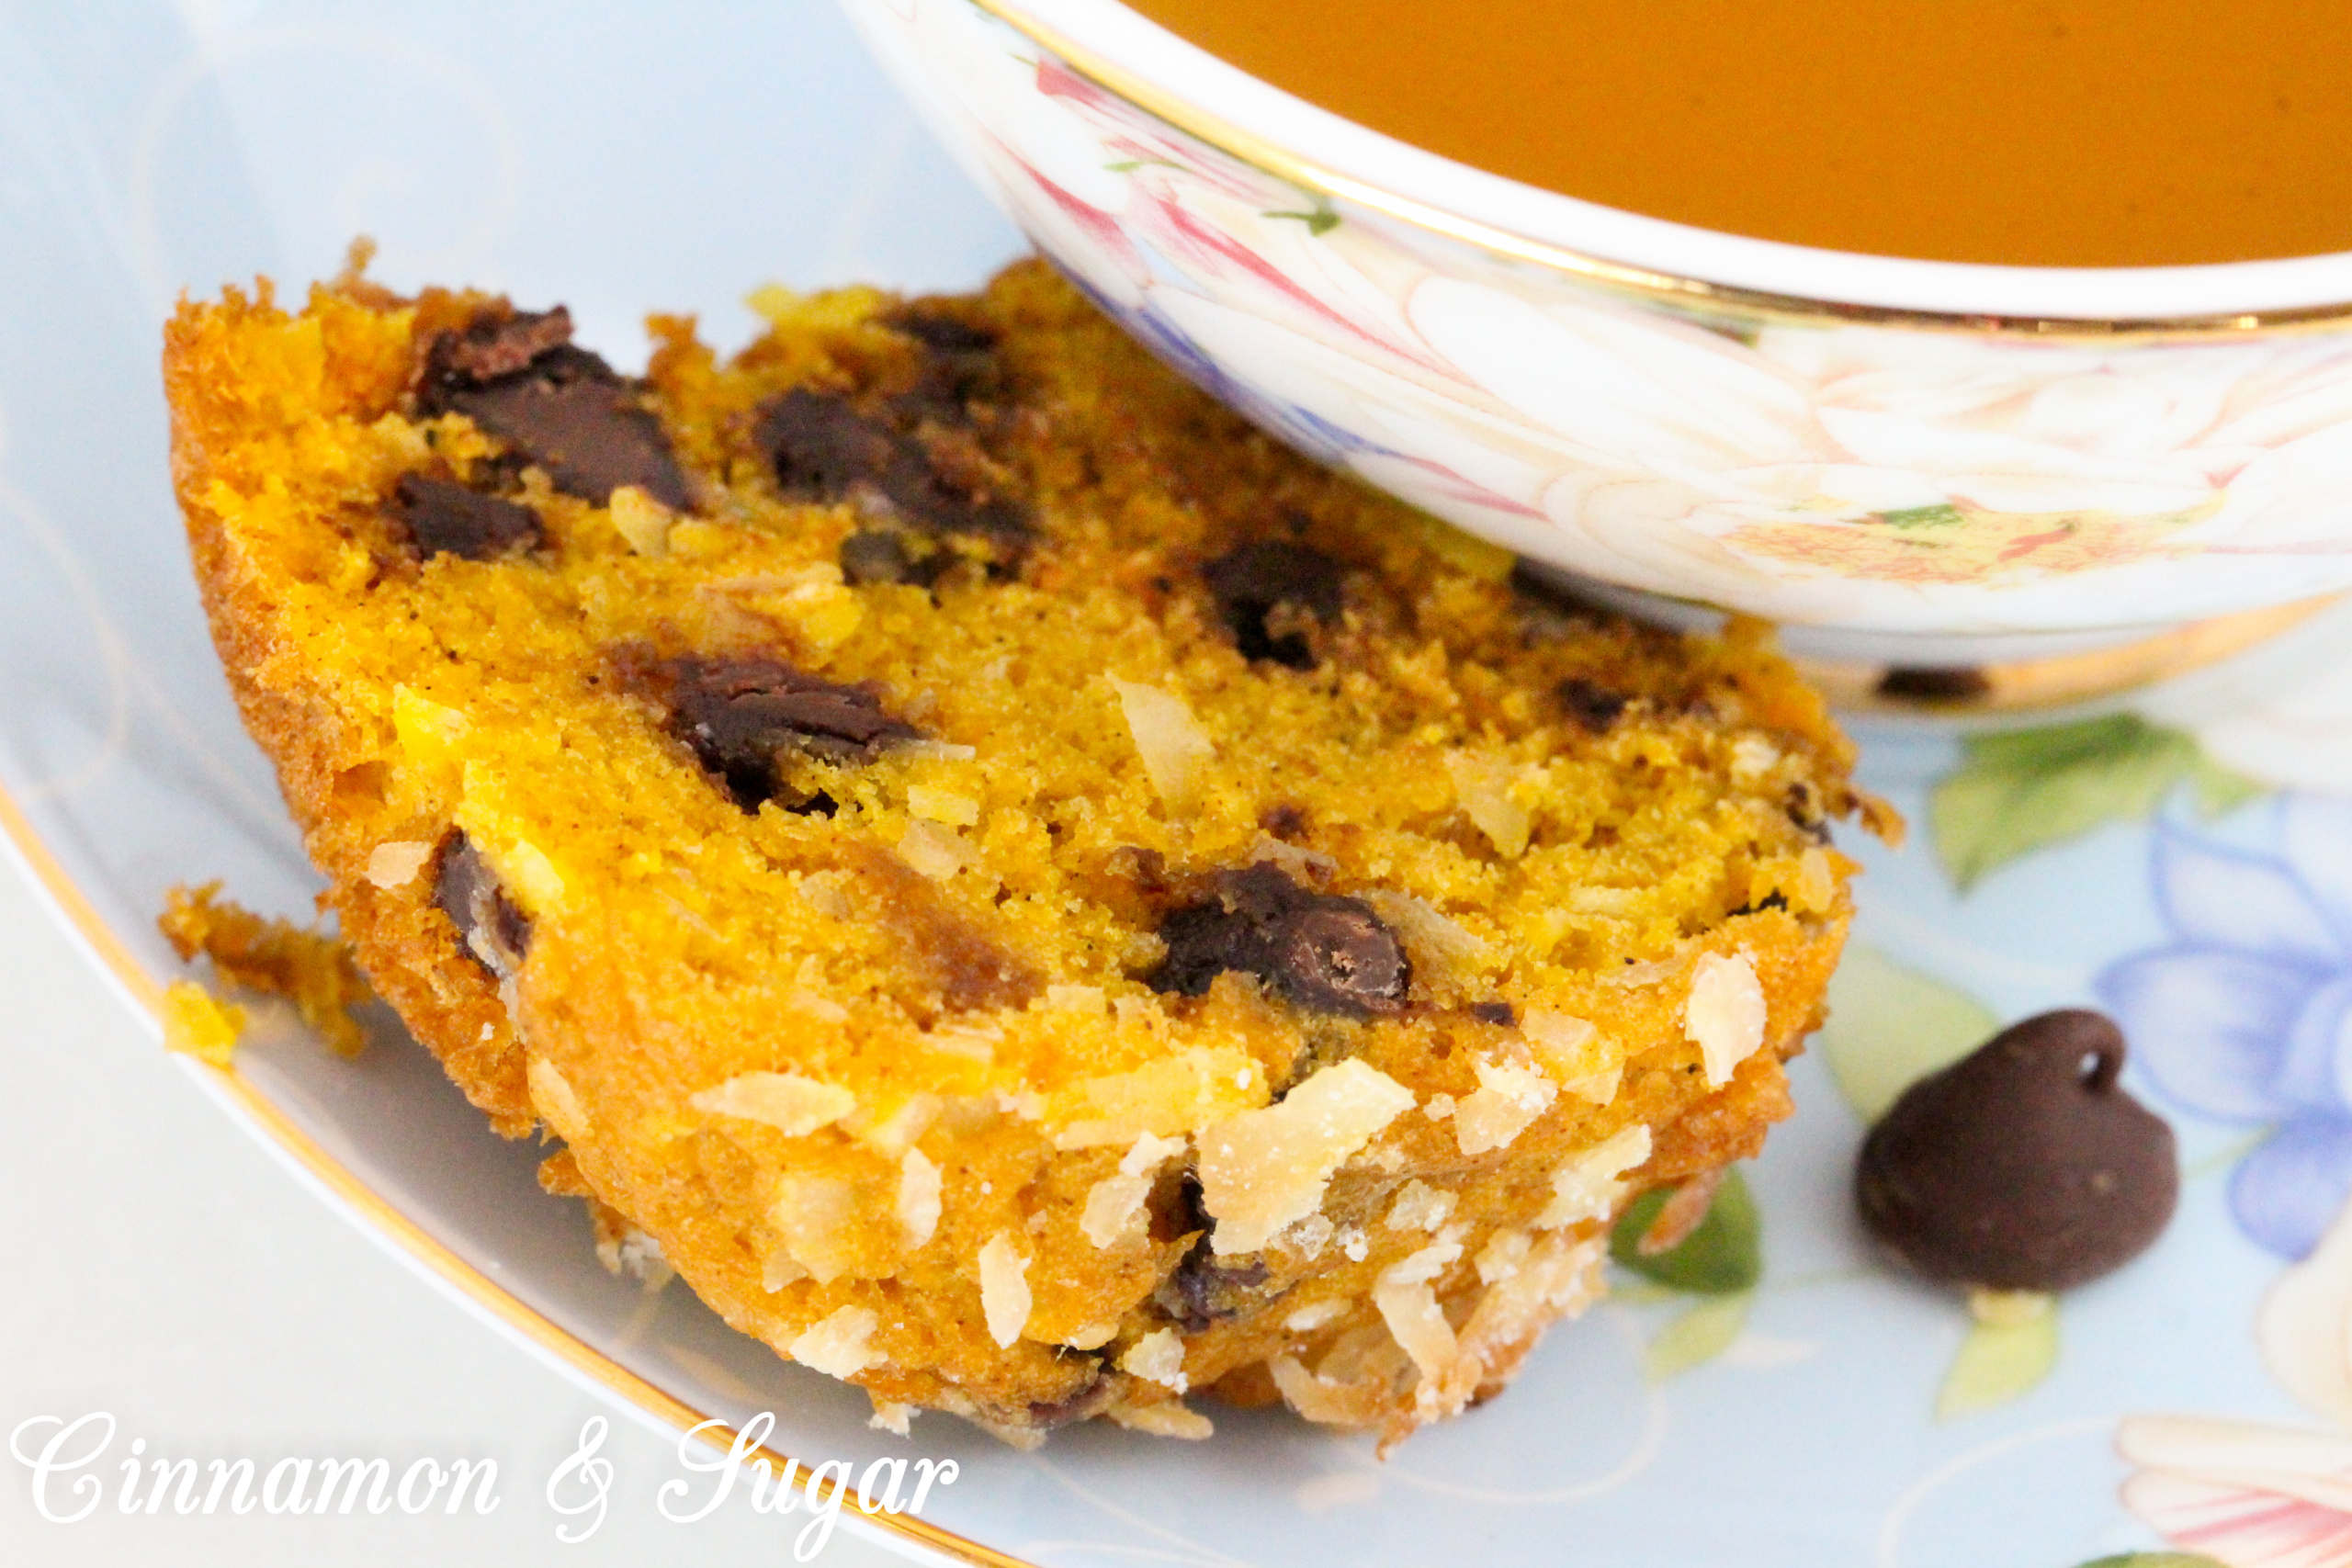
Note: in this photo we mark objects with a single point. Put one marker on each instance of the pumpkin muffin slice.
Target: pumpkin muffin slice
(1031, 897)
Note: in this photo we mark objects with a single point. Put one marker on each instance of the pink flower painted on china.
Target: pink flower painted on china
(2252, 1496)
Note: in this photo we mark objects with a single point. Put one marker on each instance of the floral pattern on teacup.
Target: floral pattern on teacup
(1852, 475)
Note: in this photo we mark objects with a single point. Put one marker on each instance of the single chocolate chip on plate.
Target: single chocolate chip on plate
(2023, 1167)
(442, 518)
(521, 379)
(1322, 951)
(739, 714)
(490, 930)
(1253, 581)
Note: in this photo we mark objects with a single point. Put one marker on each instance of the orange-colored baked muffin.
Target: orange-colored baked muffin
(1034, 899)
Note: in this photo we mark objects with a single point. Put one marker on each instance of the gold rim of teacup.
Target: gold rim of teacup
(1694, 296)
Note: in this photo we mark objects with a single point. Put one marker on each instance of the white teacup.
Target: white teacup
(1936, 462)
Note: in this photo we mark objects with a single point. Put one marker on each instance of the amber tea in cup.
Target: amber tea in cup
(2025, 132)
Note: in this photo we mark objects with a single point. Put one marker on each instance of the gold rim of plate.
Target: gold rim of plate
(1688, 294)
(411, 1237)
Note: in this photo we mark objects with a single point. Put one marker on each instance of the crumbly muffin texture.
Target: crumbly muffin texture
(1031, 897)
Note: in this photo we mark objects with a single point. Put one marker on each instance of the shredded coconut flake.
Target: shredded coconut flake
(936, 750)
(838, 1344)
(1158, 1357)
(1576, 1054)
(1176, 752)
(821, 891)
(1409, 1305)
(943, 806)
(1420, 1207)
(396, 862)
(553, 1099)
(1554, 1278)
(1168, 1418)
(1439, 947)
(792, 1105)
(1174, 1094)
(894, 1133)
(934, 852)
(817, 1007)
(1301, 864)
(1004, 1288)
(1586, 1185)
(1483, 787)
(1084, 1000)
(1307, 1319)
(1502, 1255)
(978, 1043)
(1263, 1169)
(1325, 1400)
(1752, 757)
(812, 1214)
(642, 521)
(1438, 1107)
(918, 1186)
(1725, 1014)
(1309, 1235)
(1115, 1210)
(1508, 1099)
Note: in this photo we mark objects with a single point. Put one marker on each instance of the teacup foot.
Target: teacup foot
(1958, 676)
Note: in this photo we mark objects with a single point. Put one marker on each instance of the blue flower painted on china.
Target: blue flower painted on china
(2246, 1016)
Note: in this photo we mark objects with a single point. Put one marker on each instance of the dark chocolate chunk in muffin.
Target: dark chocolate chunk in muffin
(1594, 707)
(825, 449)
(492, 345)
(490, 930)
(521, 379)
(739, 714)
(439, 518)
(1254, 582)
(1322, 951)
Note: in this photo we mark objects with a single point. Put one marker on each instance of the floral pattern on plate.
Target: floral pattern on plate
(2241, 1018)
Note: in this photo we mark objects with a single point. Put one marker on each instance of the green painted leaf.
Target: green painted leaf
(1890, 1026)
(1942, 514)
(1697, 1336)
(1319, 221)
(2157, 1559)
(2219, 789)
(2018, 790)
(1998, 1363)
(1723, 1257)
